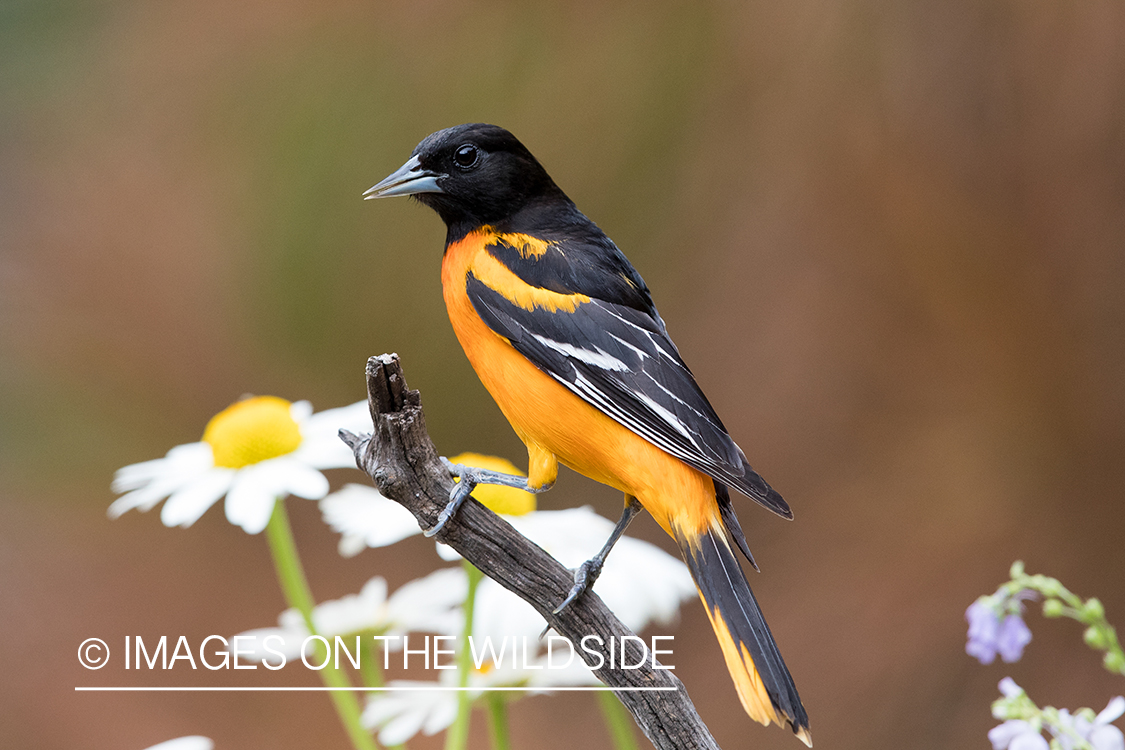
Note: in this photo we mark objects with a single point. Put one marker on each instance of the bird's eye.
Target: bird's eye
(466, 156)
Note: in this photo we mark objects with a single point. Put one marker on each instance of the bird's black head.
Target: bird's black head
(472, 175)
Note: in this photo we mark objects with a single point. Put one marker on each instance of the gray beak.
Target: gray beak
(409, 179)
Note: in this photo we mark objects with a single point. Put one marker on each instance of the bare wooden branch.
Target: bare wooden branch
(402, 461)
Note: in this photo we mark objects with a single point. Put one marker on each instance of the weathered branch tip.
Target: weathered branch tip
(401, 460)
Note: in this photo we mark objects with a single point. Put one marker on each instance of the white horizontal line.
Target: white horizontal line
(389, 689)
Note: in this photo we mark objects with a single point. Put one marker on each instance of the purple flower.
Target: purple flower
(984, 631)
(989, 635)
(1009, 688)
(1014, 635)
(1016, 735)
(1105, 736)
(1100, 733)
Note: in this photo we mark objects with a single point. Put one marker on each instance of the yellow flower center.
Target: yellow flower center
(252, 430)
(508, 501)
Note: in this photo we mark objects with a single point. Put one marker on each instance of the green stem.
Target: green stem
(458, 735)
(617, 720)
(295, 586)
(1021, 707)
(371, 669)
(498, 721)
(1059, 601)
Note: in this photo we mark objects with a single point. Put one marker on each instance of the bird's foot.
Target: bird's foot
(470, 477)
(486, 476)
(584, 577)
(457, 496)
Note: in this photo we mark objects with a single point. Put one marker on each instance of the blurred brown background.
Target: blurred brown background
(887, 236)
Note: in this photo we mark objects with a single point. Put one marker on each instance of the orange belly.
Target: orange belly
(553, 422)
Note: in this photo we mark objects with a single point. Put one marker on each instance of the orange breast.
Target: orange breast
(548, 417)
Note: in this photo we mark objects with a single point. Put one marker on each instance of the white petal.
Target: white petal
(292, 619)
(534, 673)
(354, 612)
(382, 707)
(300, 411)
(1107, 737)
(1029, 741)
(498, 613)
(250, 501)
(359, 511)
(181, 461)
(402, 727)
(430, 604)
(640, 582)
(552, 675)
(194, 742)
(375, 591)
(144, 498)
(152, 481)
(1114, 709)
(379, 709)
(402, 714)
(320, 441)
(291, 477)
(1001, 736)
(442, 715)
(350, 545)
(324, 453)
(1009, 688)
(447, 553)
(158, 479)
(188, 503)
(138, 475)
(354, 418)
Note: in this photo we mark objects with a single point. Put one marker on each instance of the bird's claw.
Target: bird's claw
(461, 490)
(584, 577)
(470, 477)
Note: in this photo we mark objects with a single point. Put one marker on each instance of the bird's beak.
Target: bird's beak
(409, 179)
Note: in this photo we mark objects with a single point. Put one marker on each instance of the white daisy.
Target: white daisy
(640, 582)
(430, 707)
(365, 518)
(253, 452)
(431, 605)
(400, 715)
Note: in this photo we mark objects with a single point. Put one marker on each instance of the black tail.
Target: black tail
(764, 686)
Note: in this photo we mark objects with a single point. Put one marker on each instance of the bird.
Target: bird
(564, 335)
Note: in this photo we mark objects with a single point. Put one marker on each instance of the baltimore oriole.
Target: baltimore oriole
(563, 333)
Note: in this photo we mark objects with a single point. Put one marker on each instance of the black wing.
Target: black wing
(619, 359)
(579, 258)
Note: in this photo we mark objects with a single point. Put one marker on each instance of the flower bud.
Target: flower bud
(1095, 638)
(1094, 609)
(1053, 608)
(1050, 586)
